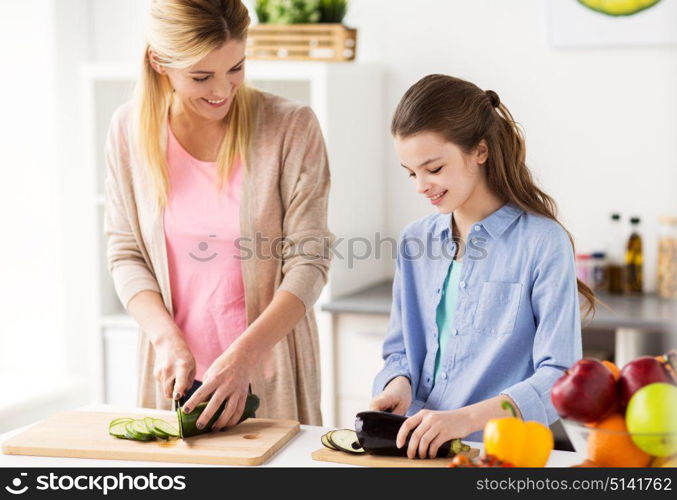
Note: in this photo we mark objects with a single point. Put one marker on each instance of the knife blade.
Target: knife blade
(177, 411)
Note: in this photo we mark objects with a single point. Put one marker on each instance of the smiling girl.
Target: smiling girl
(489, 312)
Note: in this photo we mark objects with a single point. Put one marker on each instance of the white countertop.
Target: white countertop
(296, 453)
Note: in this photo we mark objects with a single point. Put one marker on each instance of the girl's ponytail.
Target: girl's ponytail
(465, 114)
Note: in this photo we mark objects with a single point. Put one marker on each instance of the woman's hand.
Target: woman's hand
(227, 378)
(431, 430)
(396, 397)
(174, 363)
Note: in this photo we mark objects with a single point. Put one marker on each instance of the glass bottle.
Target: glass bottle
(634, 259)
(599, 271)
(615, 273)
(667, 257)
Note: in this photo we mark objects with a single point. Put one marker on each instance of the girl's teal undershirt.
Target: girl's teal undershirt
(446, 310)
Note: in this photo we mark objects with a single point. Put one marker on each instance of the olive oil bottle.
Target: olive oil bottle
(634, 259)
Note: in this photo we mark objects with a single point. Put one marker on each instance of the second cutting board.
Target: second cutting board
(367, 460)
(83, 434)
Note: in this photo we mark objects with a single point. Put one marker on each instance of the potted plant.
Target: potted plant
(308, 30)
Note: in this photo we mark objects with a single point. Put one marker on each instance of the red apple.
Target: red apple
(586, 391)
(638, 373)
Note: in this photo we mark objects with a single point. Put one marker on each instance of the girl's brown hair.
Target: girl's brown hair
(464, 114)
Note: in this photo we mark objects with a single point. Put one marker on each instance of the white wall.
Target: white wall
(116, 29)
(600, 123)
(31, 301)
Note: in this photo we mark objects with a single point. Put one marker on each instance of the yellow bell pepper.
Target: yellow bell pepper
(522, 444)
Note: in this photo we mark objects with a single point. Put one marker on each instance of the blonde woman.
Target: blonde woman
(216, 198)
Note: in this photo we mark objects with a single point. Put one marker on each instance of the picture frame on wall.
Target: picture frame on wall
(572, 24)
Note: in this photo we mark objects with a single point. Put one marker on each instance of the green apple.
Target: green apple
(618, 7)
(651, 417)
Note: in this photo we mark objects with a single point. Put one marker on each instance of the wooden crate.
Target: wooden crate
(302, 42)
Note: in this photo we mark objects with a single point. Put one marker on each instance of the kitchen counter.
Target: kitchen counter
(628, 316)
(647, 312)
(296, 453)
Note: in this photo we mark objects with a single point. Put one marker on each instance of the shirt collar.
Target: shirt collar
(495, 224)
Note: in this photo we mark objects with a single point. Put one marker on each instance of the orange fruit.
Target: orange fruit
(616, 372)
(609, 445)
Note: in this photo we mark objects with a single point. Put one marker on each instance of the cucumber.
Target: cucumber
(188, 421)
(618, 7)
(119, 420)
(158, 433)
(146, 429)
(137, 430)
(345, 440)
(131, 433)
(140, 428)
(118, 430)
(165, 428)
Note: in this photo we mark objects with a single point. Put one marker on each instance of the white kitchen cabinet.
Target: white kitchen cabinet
(347, 99)
(120, 364)
(359, 341)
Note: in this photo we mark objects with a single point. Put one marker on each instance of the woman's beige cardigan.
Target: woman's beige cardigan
(284, 195)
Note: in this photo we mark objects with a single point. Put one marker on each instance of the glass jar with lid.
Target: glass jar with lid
(667, 257)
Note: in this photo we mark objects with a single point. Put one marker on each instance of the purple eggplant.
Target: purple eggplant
(377, 434)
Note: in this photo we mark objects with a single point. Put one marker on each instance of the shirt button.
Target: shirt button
(462, 284)
(443, 376)
(477, 228)
(454, 331)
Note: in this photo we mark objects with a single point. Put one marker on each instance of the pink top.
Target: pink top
(201, 228)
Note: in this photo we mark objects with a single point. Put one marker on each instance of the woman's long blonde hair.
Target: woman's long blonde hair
(465, 114)
(180, 33)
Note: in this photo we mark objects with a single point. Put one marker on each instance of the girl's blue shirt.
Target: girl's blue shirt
(517, 323)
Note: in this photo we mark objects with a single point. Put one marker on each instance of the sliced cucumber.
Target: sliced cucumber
(326, 442)
(119, 420)
(145, 429)
(345, 440)
(137, 430)
(130, 433)
(118, 430)
(141, 428)
(150, 424)
(165, 428)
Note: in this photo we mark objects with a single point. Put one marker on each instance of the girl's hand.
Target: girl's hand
(396, 397)
(174, 363)
(228, 379)
(431, 430)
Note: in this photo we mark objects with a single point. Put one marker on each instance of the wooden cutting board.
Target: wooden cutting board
(366, 460)
(82, 434)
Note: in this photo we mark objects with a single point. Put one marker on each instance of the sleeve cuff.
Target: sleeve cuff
(394, 368)
(529, 402)
(129, 281)
(306, 283)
